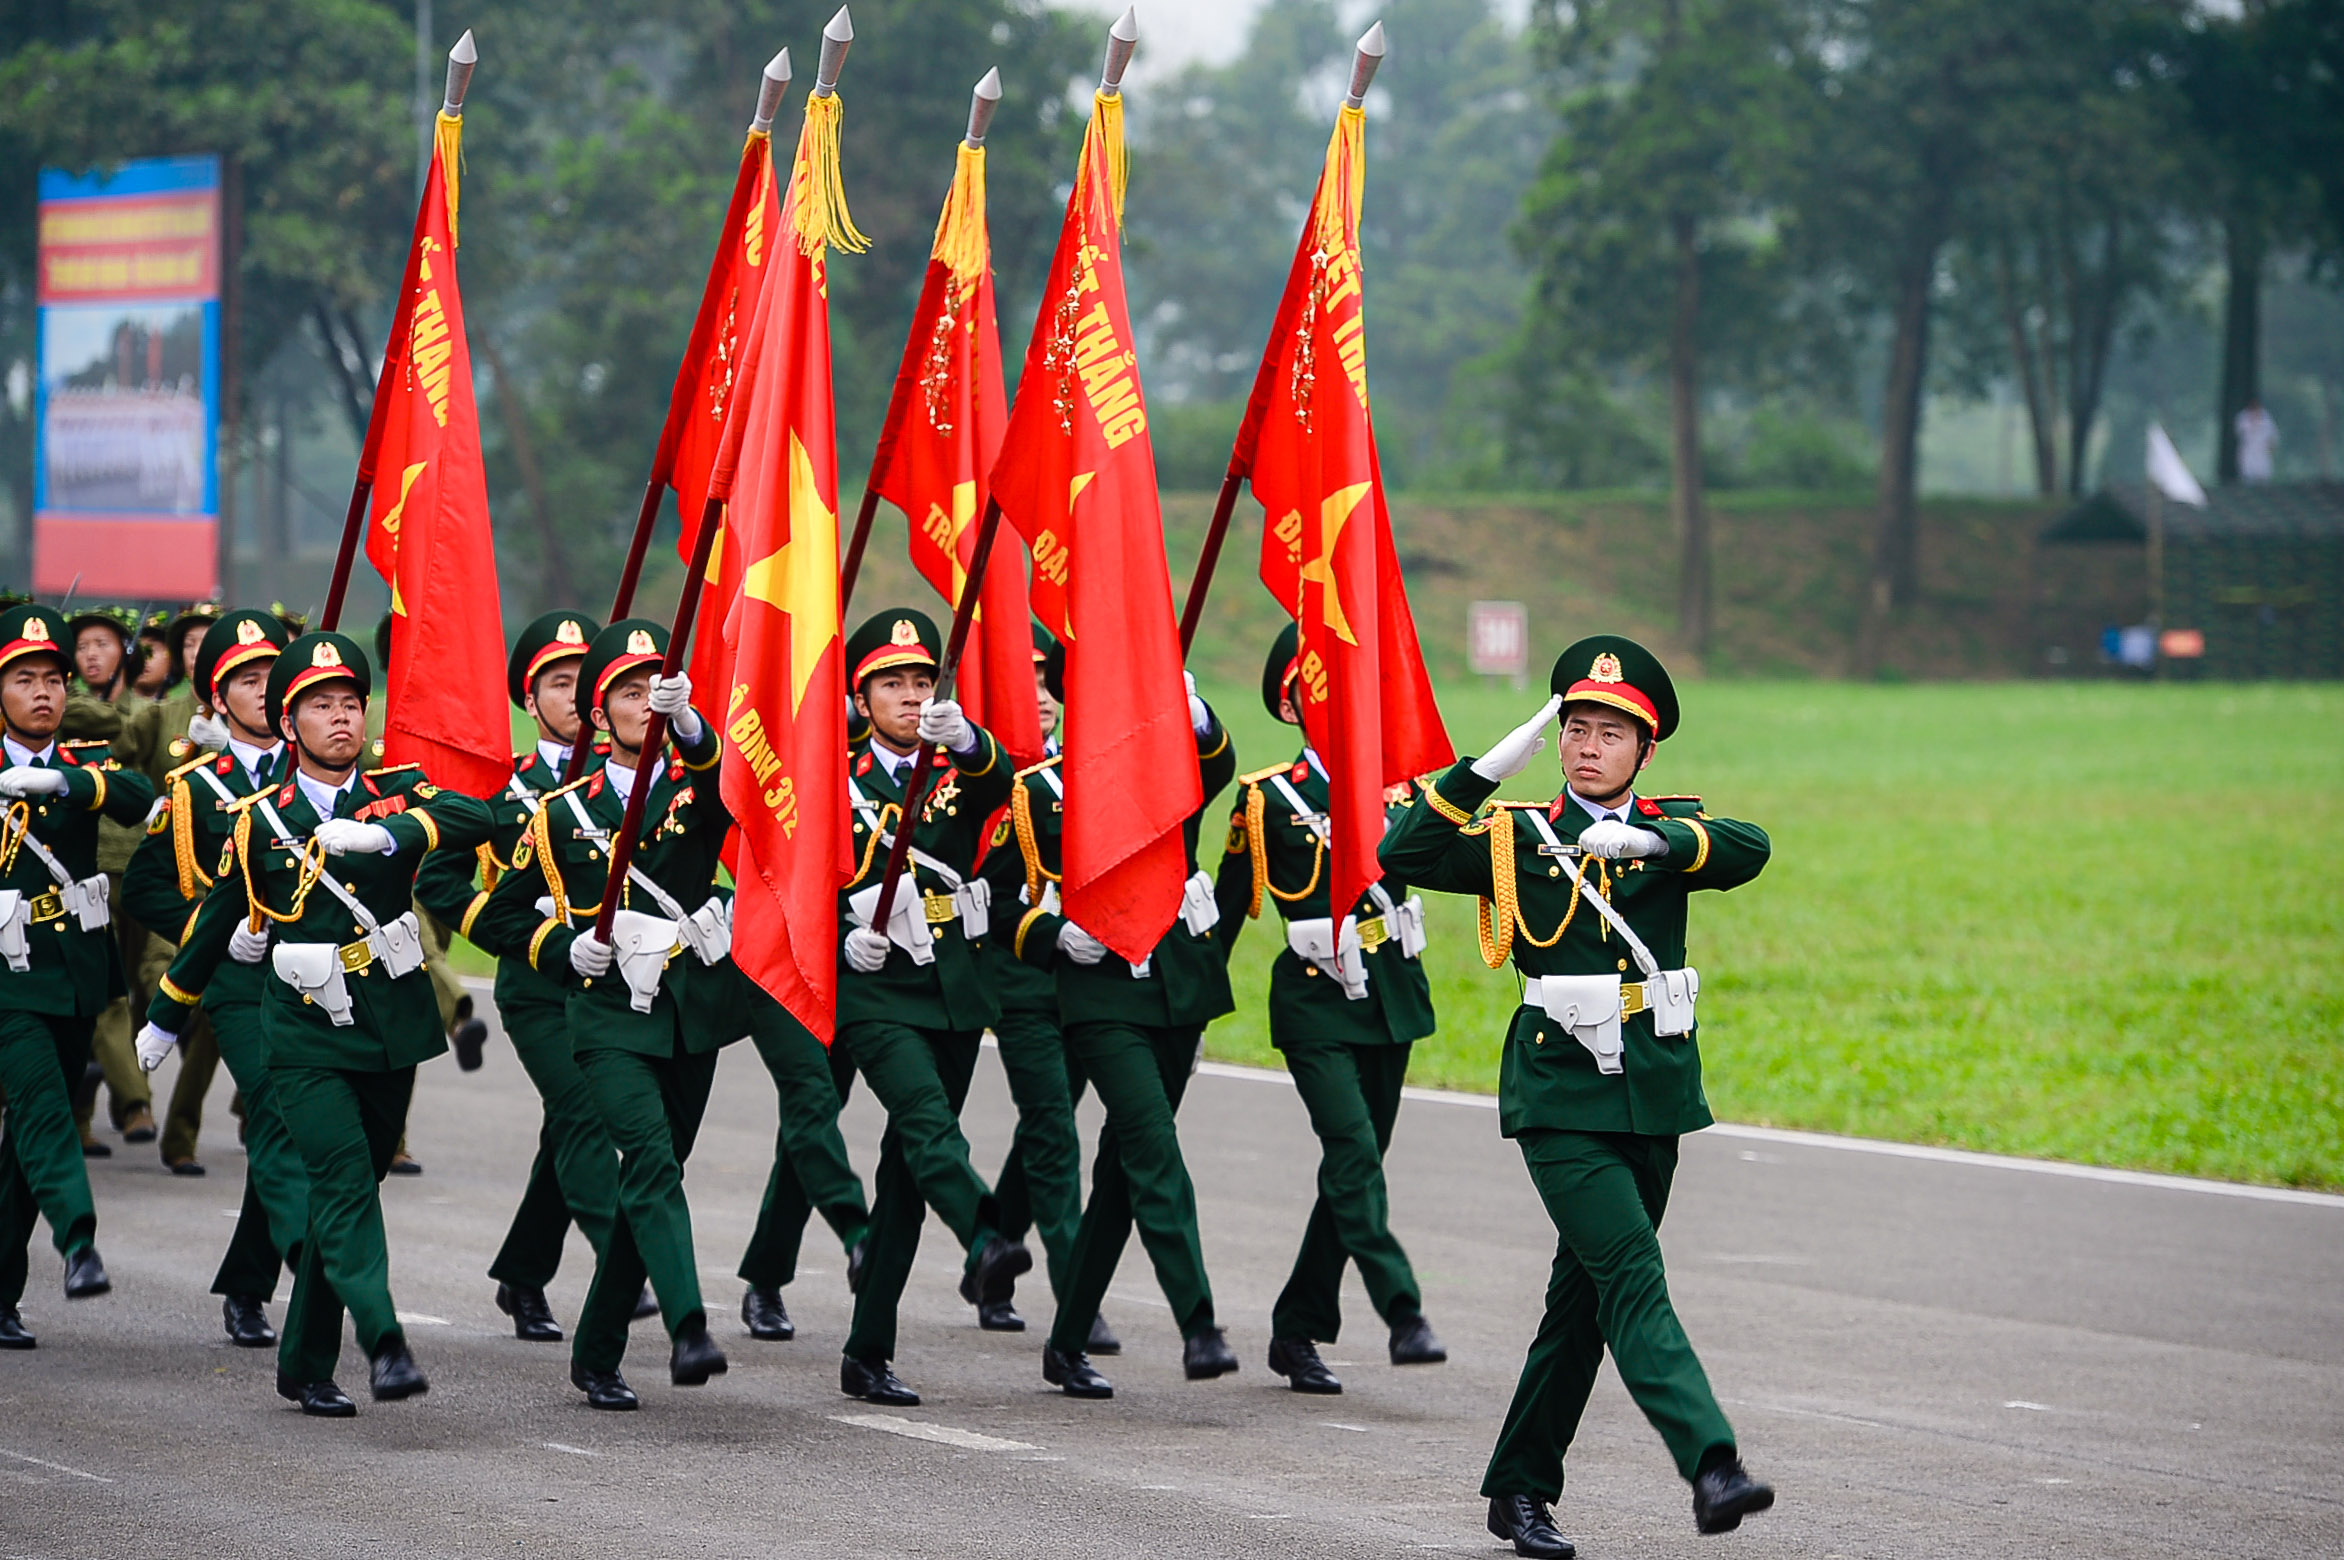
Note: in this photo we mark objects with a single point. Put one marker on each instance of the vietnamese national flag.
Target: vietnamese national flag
(428, 529)
(936, 454)
(783, 708)
(1077, 476)
(704, 387)
(1308, 445)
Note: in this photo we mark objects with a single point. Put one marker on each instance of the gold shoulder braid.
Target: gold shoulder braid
(1497, 946)
(313, 866)
(489, 867)
(1256, 836)
(541, 834)
(14, 824)
(193, 880)
(1021, 817)
(871, 849)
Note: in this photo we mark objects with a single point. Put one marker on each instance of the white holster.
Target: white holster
(1670, 995)
(87, 902)
(16, 926)
(907, 918)
(641, 945)
(1200, 912)
(1335, 950)
(315, 971)
(398, 945)
(707, 931)
(1403, 922)
(974, 899)
(1586, 1005)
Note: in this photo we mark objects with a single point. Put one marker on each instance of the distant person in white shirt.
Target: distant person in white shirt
(2258, 437)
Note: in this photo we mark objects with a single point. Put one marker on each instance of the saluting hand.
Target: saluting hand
(1512, 753)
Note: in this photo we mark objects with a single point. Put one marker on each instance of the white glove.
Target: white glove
(866, 951)
(1079, 945)
(207, 731)
(590, 956)
(25, 780)
(1512, 753)
(247, 946)
(672, 697)
(349, 837)
(942, 722)
(153, 1045)
(1200, 718)
(1617, 841)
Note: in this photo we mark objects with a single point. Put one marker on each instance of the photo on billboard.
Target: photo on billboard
(124, 425)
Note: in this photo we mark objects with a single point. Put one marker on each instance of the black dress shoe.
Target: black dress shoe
(874, 1382)
(1208, 1355)
(1523, 1521)
(646, 1304)
(185, 1166)
(532, 1318)
(766, 1317)
(1297, 1359)
(999, 1316)
(1413, 1342)
(1103, 1339)
(1074, 1375)
(318, 1399)
(85, 1275)
(1724, 1493)
(469, 1035)
(247, 1324)
(695, 1357)
(994, 1274)
(405, 1164)
(856, 1256)
(12, 1333)
(604, 1389)
(395, 1374)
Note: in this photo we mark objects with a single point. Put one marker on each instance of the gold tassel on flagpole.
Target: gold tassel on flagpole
(1335, 219)
(960, 228)
(1106, 128)
(817, 187)
(448, 148)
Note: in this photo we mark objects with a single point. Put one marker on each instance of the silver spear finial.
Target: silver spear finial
(1371, 54)
(772, 87)
(837, 35)
(982, 102)
(1122, 38)
(461, 59)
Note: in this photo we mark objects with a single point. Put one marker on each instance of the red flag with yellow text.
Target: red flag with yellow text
(1077, 476)
(783, 707)
(1308, 445)
(428, 528)
(935, 461)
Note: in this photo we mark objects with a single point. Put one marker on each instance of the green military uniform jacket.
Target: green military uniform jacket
(455, 888)
(1274, 855)
(1188, 973)
(396, 1021)
(1449, 842)
(168, 878)
(680, 849)
(951, 993)
(72, 971)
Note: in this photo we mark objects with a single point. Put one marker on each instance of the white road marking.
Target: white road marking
(942, 1435)
(42, 1462)
(1337, 1424)
(231, 1213)
(574, 1451)
(421, 1319)
(2033, 1408)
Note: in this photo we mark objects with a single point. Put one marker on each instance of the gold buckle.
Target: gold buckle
(48, 906)
(1632, 998)
(1373, 933)
(940, 908)
(356, 956)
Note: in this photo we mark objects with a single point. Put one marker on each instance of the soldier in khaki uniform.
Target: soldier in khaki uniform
(1601, 1070)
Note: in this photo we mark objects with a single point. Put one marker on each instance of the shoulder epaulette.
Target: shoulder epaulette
(1693, 799)
(1517, 806)
(1259, 775)
(1670, 806)
(392, 769)
(1035, 769)
(86, 742)
(190, 767)
(246, 802)
(563, 790)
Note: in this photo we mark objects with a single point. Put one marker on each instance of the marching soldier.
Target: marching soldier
(1135, 1030)
(1601, 1070)
(1348, 1001)
(576, 1172)
(912, 1005)
(172, 730)
(317, 881)
(810, 1172)
(59, 966)
(647, 1010)
(165, 887)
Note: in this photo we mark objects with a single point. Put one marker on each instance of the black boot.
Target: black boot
(318, 1399)
(994, 1273)
(1724, 1493)
(604, 1388)
(874, 1381)
(999, 1316)
(532, 1318)
(1074, 1375)
(1413, 1342)
(1523, 1521)
(247, 1324)
(1297, 1359)
(696, 1356)
(85, 1275)
(1208, 1355)
(395, 1374)
(12, 1333)
(767, 1318)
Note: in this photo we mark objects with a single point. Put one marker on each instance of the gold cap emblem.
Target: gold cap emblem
(249, 631)
(325, 654)
(639, 643)
(1606, 669)
(569, 633)
(905, 633)
(37, 628)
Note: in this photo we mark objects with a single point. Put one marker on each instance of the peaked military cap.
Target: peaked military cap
(1044, 643)
(382, 644)
(616, 651)
(237, 640)
(1609, 669)
(1052, 661)
(313, 660)
(897, 637)
(1280, 670)
(553, 637)
(32, 629)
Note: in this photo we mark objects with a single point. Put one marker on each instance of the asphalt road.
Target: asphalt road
(1928, 1355)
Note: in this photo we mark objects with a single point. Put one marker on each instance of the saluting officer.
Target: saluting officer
(1348, 1001)
(165, 886)
(318, 880)
(647, 1010)
(1601, 1071)
(58, 963)
(912, 1005)
(1135, 1029)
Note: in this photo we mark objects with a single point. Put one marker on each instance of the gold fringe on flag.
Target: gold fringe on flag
(447, 140)
(1335, 218)
(960, 228)
(1106, 128)
(815, 183)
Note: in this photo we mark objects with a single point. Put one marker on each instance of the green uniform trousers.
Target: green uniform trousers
(1605, 1192)
(922, 1077)
(1140, 1072)
(651, 1108)
(576, 1172)
(41, 1171)
(1040, 1185)
(811, 1172)
(1353, 1095)
(346, 1125)
(274, 1221)
(114, 1045)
